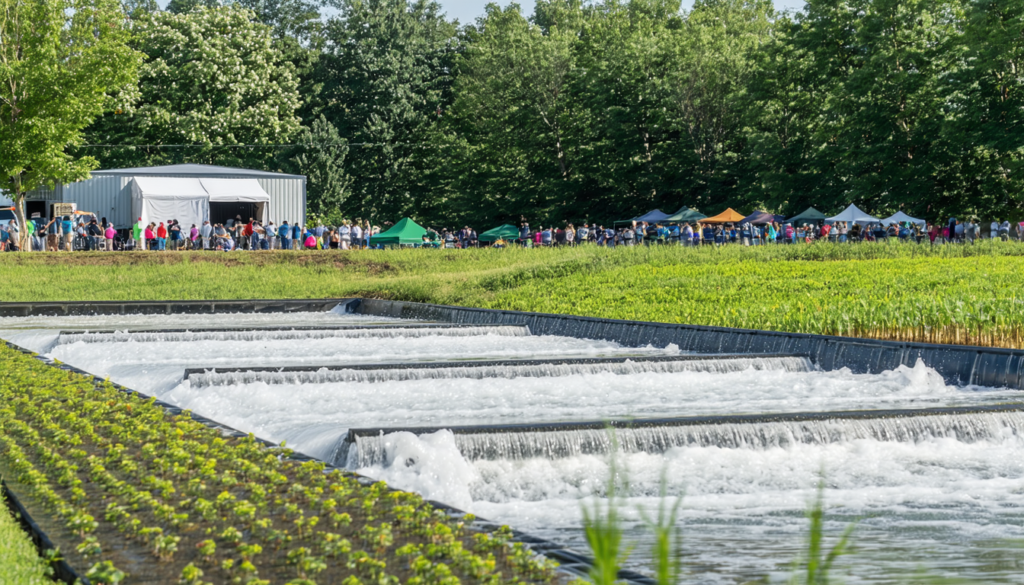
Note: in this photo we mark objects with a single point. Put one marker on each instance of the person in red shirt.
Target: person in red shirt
(161, 237)
(247, 231)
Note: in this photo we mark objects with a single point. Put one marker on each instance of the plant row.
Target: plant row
(125, 488)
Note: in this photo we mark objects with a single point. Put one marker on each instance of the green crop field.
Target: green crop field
(19, 560)
(943, 294)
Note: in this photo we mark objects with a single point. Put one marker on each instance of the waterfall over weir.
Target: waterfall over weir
(362, 449)
(279, 334)
(508, 369)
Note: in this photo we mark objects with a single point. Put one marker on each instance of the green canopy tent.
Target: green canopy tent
(405, 232)
(502, 232)
(684, 215)
(809, 216)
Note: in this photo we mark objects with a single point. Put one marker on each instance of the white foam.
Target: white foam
(192, 321)
(743, 508)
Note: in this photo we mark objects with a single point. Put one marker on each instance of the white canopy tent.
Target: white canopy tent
(157, 199)
(239, 191)
(853, 215)
(900, 217)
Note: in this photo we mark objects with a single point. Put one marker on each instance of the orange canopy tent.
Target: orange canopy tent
(728, 216)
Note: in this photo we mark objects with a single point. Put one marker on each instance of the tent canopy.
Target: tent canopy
(406, 231)
(157, 199)
(685, 215)
(238, 191)
(759, 218)
(502, 232)
(809, 215)
(653, 216)
(853, 215)
(900, 217)
(728, 216)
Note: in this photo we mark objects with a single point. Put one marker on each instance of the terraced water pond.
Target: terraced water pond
(942, 493)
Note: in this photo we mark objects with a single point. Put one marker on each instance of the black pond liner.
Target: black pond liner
(960, 365)
(491, 363)
(62, 571)
(569, 561)
(167, 307)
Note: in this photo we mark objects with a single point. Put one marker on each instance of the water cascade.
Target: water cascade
(506, 370)
(364, 450)
(286, 334)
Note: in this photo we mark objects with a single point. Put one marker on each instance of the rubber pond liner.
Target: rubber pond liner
(570, 562)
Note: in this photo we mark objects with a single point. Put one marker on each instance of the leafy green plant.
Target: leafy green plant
(818, 562)
(602, 526)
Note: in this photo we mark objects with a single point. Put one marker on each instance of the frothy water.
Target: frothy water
(368, 451)
(915, 502)
(276, 335)
(504, 372)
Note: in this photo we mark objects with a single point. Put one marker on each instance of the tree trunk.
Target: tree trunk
(19, 212)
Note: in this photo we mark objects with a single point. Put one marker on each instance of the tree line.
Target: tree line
(583, 111)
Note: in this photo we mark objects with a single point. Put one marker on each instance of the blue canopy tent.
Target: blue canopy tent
(654, 216)
(760, 218)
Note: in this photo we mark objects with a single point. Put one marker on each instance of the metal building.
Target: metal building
(109, 193)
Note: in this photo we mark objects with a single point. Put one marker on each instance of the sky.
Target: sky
(467, 11)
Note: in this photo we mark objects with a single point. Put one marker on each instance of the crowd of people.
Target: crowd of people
(697, 233)
(91, 233)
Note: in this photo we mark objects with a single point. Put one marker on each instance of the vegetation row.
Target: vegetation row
(123, 488)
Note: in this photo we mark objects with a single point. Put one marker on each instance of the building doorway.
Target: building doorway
(222, 211)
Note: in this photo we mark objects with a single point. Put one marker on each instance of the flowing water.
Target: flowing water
(941, 492)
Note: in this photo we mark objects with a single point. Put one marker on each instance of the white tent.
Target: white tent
(157, 199)
(900, 217)
(853, 215)
(239, 191)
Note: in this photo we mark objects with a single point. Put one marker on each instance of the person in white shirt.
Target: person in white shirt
(205, 232)
(344, 236)
(356, 235)
(994, 229)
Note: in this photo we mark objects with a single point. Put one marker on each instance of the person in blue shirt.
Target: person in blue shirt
(285, 231)
(297, 235)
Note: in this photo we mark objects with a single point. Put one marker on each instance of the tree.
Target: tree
(514, 109)
(988, 93)
(322, 160)
(715, 54)
(386, 75)
(212, 80)
(61, 61)
(186, 6)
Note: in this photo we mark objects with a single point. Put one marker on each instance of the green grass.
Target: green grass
(944, 294)
(20, 562)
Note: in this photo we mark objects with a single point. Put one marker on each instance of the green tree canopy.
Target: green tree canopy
(212, 79)
(62, 62)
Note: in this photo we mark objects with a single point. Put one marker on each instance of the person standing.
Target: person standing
(356, 232)
(137, 235)
(297, 235)
(52, 235)
(994, 229)
(344, 235)
(109, 234)
(286, 235)
(271, 233)
(161, 237)
(205, 233)
(94, 233)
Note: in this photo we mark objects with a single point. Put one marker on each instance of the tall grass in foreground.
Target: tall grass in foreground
(817, 564)
(602, 526)
(603, 529)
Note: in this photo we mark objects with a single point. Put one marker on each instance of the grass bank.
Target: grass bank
(942, 294)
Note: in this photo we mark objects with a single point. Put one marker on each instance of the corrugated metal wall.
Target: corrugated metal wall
(106, 196)
(110, 196)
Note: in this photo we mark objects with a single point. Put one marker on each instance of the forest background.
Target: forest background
(586, 111)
